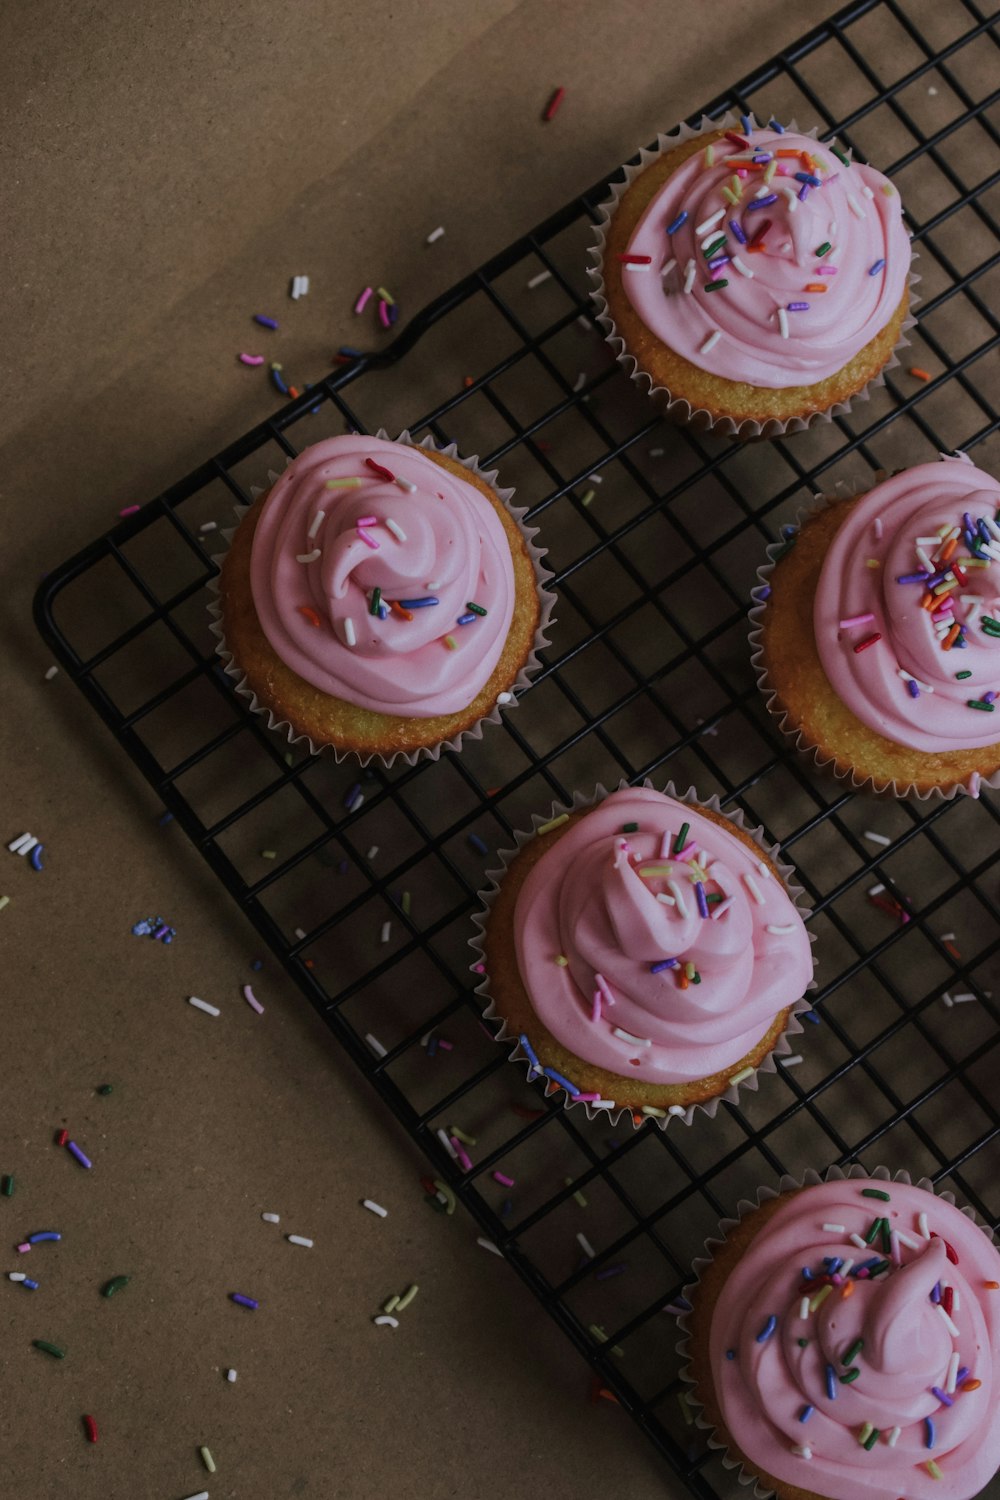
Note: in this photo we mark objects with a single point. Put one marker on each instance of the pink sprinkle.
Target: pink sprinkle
(503, 1179)
(862, 1273)
(878, 527)
(481, 969)
(129, 510)
(605, 989)
(690, 849)
(383, 313)
(742, 172)
(368, 540)
(366, 521)
(446, 1046)
(855, 620)
(721, 907)
(826, 271)
(362, 301)
(23, 1249)
(251, 359)
(251, 1000)
(464, 1159)
(974, 783)
(595, 1014)
(585, 1098)
(665, 843)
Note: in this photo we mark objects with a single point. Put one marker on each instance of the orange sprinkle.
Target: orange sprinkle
(786, 152)
(293, 392)
(310, 614)
(971, 1385)
(955, 954)
(608, 1396)
(920, 374)
(947, 550)
(817, 286)
(468, 382)
(992, 1286)
(847, 1290)
(397, 609)
(807, 161)
(928, 601)
(950, 638)
(755, 249)
(683, 981)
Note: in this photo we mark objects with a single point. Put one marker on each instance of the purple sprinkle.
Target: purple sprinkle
(832, 178)
(912, 689)
(798, 307)
(761, 203)
(720, 260)
(989, 697)
(75, 1151)
(876, 268)
(699, 891)
(767, 1330)
(913, 577)
(610, 1271)
(680, 219)
(244, 1301)
(936, 1292)
(765, 592)
(963, 1374)
(803, 190)
(664, 963)
(939, 1393)
(737, 229)
(264, 322)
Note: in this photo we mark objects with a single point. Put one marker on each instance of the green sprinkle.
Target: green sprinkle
(715, 286)
(802, 1343)
(786, 548)
(841, 156)
(577, 1195)
(875, 1193)
(681, 838)
(715, 246)
(406, 903)
(851, 1375)
(376, 601)
(883, 1265)
(460, 1135)
(269, 854)
(407, 1297)
(871, 1439)
(986, 708)
(48, 1348)
(696, 978)
(714, 897)
(853, 1352)
(114, 1285)
(630, 828)
(886, 1238)
(825, 248)
(989, 620)
(207, 1460)
(7, 1186)
(106, 1089)
(961, 676)
(873, 1231)
(477, 609)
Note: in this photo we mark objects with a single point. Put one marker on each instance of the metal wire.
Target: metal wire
(663, 555)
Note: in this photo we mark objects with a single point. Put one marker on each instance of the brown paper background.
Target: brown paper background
(166, 170)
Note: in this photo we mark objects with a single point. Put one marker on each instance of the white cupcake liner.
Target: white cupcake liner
(507, 699)
(844, 491)
(677, 408)
(511, 1039)
(810, 1178)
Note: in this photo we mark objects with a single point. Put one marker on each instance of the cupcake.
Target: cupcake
(879, 642)
(754, 278)
(644, 954)
(381, 598)
(842, 1341)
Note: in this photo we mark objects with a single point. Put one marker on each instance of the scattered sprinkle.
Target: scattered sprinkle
(210, 1010)
(555, 100)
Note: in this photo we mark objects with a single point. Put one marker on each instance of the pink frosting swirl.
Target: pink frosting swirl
(854, 211)
(615, 906)
(913, 1357)
(891, 526)
(401, 524)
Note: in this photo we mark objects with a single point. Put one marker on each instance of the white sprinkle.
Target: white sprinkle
(963, 999)
(375, 1044)
(923, 559)
(786, 927)
(210, 1010)
(308, 557)
(627, 1036)
(443, 1137)
(791, 1062)
(435, 234)
(907, 1240)
(584, 322)
(710, 342)
(762, 867)
(741, 266)
(505, 697)
(16, 1276)
(201, 1495)
(657, 452)
(386, 931)
(893, 1437)
(947, 937)
(877, 528)
(375, 1208)
(956, 1300)
(678, 896)
(948, 1001)
(855, 206)
(537, 280)
(951, 1380)
(720, 907)
(602, 1104)
(372, 852)
(595, 478)
(668, 267)
(710, 241)
(208, 526)
(704, 228)
(666, 900)
(297, 1239)
(894, 1248)
(804, 1308)
(300, 286)
(856, 1239)
(762, 192)
(867, 191)
(406, 485)
(385, 1321)
(754, 889)
(741, 1075)
(801, 1451)
(317, 522)
(231, 1376)
(23, 844)
(676, 1110)
(271, 1218)
(782, 322)
(877, 838)
(299, 931)
(581, 381)
(52, 671)
(949, 1324)
(690, 272)
(793, 201)
(396, 530)
(489, 1245)
(835, 1228)
(586, 1246)
(922, 1226)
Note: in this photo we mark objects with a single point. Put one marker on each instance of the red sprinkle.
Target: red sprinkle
(310, 614)
(62, 1136)
(949, 1249)
(90, 1428)
(737, 140)
(761, 231)
(869, 641)
(554, 103)
(948, 1300)
(960, 574)
(381, 470)
(634, 260)
(527, 1114)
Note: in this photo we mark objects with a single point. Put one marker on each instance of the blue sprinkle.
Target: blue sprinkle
(831, 1382)
(264, 322)
(44, 1234)
(352, 795)
(279, 382)
(931, 1438)
(730, 1353)
(469, 619)
(478, 844)
(32, 1286)
(506, 1208)
(983, 530)
(36, 857)
(810, 1015)
(912, 689)
(257, 965)
(747, 124)
(166, 818)
(767, 1330)
(432, 1046)
(664, 963)
(963, 1374)
(789, 531)
(876, 268)
(737, 229)
(765, 592)
(570, 1088)
(944, 1399)
(680, 219)
(529, 1052)
(811, 181)
(807, 1274)
(347, 352)
(806, 1413)
(775, 126)
(424, 603)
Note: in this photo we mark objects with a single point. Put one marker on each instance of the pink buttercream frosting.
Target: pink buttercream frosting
(854, 210)
(890, 1328)
(424, 534)
(614, 906)
(891, 526)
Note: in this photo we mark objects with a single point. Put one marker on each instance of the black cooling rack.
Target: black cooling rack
(654, 535)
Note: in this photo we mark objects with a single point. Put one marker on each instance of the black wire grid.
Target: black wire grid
(654, 535)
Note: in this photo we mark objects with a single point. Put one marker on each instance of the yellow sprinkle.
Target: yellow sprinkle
(933, 1469)
(739, 1077)
(562, 960)
(391, 1305)
(577, 1195)
(451, 643)
(769, 171)
(343, 484)
(460, 1135)
(865, 1433)
(820, 1297)
(730, 196)
(873, 562)
(655, 869)
(586, 499)
(407, 1297)
(269, 854)
(553, 823)
(385, 296)
(709, 156)
(207, 1460)
(653, 1112)
(888, 189)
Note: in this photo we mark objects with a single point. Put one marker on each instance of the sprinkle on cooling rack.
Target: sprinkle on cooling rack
(78, 1155)
(203, 1005)
(243, 1301)
(251, 999)
(90, 1429)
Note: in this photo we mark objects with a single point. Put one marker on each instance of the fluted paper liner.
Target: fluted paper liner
(677, 408)
(845, 490)
(744, 1208)
(511, 1039)
(507, 699)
